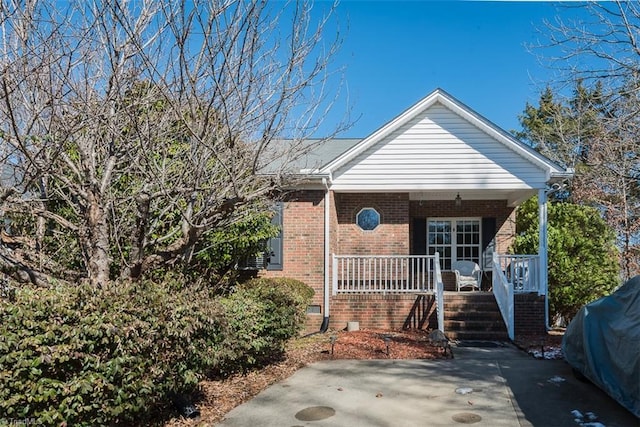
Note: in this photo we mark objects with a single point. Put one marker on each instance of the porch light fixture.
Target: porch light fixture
(458, 200)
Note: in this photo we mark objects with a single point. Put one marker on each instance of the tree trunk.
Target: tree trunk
(136, 257)
(97, 243)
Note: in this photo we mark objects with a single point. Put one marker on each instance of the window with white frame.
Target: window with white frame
(456, 239)
(368, 219)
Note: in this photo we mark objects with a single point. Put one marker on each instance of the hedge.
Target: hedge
(261, 316)
(85, 356)
(89, 356)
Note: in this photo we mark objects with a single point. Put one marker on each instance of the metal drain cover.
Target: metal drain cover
(466, 418)
(315, 413)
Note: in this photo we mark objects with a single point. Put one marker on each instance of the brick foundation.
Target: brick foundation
(313, 323)
(403, 311)
(529, 314)
(383, 311)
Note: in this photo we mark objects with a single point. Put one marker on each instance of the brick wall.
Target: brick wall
(391, 237)
(382, 311)
(498, 209)
(303, 244)
(395, 312)
(529, 314)
(303, 250)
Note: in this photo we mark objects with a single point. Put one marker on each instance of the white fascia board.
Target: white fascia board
(310, 181)
(563, 174)
(391, 188)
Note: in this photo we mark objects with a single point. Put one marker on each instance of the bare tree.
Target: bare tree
(600, 49)
(610, 178)
(130, 128)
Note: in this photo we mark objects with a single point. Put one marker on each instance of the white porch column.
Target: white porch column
(542, 240)
(543, 252)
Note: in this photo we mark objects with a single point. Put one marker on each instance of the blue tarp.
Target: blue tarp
(603, 343)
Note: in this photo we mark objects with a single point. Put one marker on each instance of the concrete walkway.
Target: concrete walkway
(484, 386)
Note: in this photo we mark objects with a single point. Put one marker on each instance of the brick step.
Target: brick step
(476, 335)
(473, 325)
(473, 315)
(480, 306)
(469, 296)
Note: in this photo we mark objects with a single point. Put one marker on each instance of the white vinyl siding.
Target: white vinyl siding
(438, 150)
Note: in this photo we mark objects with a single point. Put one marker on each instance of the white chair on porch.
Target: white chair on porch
(518, 275)
(468, 274)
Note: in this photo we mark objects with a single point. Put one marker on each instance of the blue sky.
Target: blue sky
(396, 52)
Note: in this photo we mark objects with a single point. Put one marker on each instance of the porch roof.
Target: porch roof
(437, 148)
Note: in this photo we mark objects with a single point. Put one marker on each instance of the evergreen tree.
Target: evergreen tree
(583, 259)
(564, 129)
(596, 132)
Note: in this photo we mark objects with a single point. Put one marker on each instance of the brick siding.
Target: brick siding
(505, 216)
(303, 244)
(381, 311)
(529, 314)
(391, 237)
(303, 252)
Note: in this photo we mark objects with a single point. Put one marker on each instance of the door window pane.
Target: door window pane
(454, 239)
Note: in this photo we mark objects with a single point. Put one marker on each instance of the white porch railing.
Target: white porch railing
(439, 293)
(401, 274)
(384, 273)
(522, 272)
(503, 292)
(514, 274)
(389, 274)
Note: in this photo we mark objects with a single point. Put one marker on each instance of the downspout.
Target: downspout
(327, 260)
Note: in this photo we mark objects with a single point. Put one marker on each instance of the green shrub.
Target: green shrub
(261, 315)
(85, 356)
(88, 356)
(583, 259)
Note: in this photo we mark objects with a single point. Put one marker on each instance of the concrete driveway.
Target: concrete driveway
(484, 386)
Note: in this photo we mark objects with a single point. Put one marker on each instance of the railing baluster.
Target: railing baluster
(403, 274)
(375, 275)
(394, 273)
(412, 275)
(349, 278)
(339, 262)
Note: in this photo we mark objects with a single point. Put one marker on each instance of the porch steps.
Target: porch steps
(473, 316)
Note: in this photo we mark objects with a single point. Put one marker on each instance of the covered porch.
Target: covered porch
(420, 275)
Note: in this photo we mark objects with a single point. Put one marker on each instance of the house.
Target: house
(375, 225)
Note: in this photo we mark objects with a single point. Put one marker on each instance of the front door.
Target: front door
(456, 239)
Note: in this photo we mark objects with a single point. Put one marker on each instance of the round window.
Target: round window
(368, 219)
